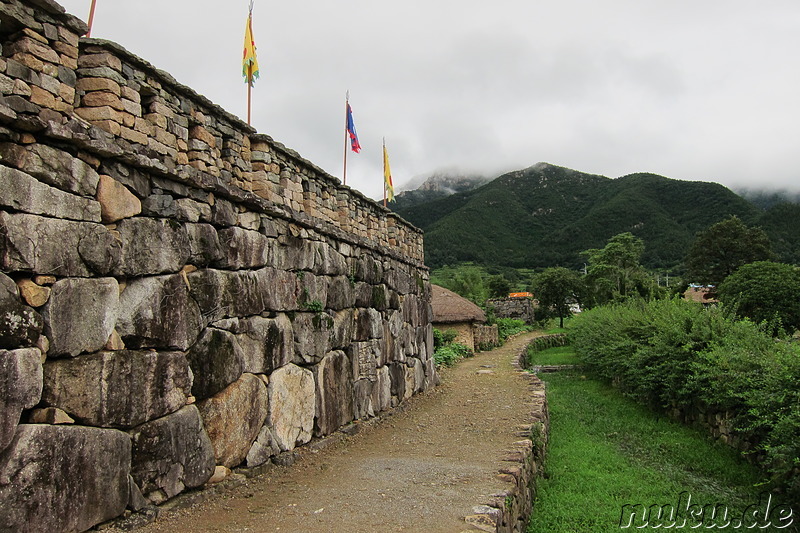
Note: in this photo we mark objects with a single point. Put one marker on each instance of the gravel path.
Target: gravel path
(422, 468)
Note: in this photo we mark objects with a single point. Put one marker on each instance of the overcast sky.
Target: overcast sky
(695, 90)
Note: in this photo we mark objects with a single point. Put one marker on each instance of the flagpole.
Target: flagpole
(384, 171)
(346, 104)
(250, 65)
(91, 18)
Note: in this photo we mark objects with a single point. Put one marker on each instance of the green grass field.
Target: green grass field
(561, 355)
(606, 451)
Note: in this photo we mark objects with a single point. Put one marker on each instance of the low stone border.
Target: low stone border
(508, 511)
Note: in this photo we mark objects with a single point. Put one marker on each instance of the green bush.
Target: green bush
(672, 353)
(507, 327)
(445, 351)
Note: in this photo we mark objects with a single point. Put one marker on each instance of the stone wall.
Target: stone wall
(178, 294)
(486, 337)
(519, 308)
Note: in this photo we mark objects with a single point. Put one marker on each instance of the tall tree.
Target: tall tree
(765, 291)
(614, 272)
(722, 248)
(556, 289)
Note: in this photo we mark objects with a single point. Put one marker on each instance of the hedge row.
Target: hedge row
(674, 354)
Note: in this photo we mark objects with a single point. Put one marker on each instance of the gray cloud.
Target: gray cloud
(691, 90)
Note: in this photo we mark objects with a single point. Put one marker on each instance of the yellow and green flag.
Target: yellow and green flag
(249, 59)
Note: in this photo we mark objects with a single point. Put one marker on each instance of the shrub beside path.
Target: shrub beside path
(422, 468)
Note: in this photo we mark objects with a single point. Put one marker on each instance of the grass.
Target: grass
(606, 451)
(561, 355)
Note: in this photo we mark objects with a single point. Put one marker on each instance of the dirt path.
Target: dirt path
(422, 469)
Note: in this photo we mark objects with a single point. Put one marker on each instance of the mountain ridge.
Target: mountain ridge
(545, 215)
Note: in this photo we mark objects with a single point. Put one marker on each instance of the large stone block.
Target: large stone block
(30, 243)
(116, 201)
(52, 166)
(341, 293)
(20, 325)
(80, 315)
(136, 387)
(267, 343)
(362, 399)
(216, 360)
(344, 327)
(382, 390)
(334, 381)
(204, 246)
(291, 406)
(328, 261)
(312, 336)
(222, 294)
(234, 417)
(22, 192)
(158, 312)
(151, 246)
(243, 248)
(264, 447)
(171, 454)
(20, 388)
(369, 324)
(63, 478)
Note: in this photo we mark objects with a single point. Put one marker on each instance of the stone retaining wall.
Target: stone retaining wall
(179, 295)
(519, 308)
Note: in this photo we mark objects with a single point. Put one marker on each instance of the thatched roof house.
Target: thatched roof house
(452, 312)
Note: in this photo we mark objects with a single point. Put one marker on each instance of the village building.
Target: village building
(452, 312)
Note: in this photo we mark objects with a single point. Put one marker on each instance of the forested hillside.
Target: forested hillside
(546, 215)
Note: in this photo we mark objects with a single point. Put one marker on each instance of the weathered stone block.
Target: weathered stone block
(343, 329)
(369, 325)
(80, 315)
(382, 390)
(171, 454)
(63, 478)
(267, 343)
(362, 399)
(234, 417)
(20, 388)
(341, 293)
(243, 248)
(334, 382)
(222, 294)
(263, 448)
(204, 246)
(22, 192)
(116, 201)
(20, 326)
(151, 246)
(291, 406)
(158, 312)
(137, 386)
(30, 243)
(216, 360)
(327, 261)
(54, 167)
(312, 336)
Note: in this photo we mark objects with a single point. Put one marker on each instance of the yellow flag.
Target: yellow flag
(387, 176)
(249, 59)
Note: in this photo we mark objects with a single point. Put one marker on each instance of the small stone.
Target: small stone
(50, 415)
(220, 473)
(33, 294)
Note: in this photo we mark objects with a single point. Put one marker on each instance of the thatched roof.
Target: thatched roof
(449, 307)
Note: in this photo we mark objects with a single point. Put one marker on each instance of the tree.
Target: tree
(556, 289)
(765, 291)
(722, 248)
(614, 272)
(499, 286)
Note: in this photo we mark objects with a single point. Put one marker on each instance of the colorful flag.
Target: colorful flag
(387, 176)
(351, 130)
(249, 59)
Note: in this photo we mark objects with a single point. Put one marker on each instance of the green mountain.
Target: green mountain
(546, 215)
